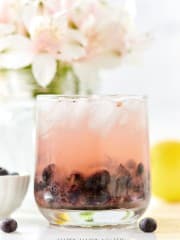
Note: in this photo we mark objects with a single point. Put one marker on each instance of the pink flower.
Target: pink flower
(10, 20)
(52, 41)
(106, 33)
(110, 37)
(46, 35)
(5, 12)
(83, 33)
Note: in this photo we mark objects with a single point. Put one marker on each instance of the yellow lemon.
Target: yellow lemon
(165, 169)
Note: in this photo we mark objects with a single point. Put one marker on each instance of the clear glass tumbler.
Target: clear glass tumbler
(92, 164)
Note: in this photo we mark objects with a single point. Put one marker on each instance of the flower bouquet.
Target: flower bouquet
(59, 46)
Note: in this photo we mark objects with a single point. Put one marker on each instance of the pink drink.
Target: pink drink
(92, 155)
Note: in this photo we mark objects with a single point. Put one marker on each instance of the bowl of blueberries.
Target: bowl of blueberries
(13, 188)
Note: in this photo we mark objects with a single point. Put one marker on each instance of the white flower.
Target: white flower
(86, 34)
(8, 17)
(110, 36)
(6, 29)
(73, 47)
(52, 39)
(30, 9)
(44, 68)
(15, 52)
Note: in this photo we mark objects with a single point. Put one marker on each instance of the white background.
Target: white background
(157, 73)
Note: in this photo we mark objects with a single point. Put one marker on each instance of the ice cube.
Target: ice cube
(133, 104)
(108, 114)
(79, 112)
(53, 114)
(103, 115)
(122, 116)
(137, 113)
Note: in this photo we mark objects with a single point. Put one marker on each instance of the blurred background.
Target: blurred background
(157, 73)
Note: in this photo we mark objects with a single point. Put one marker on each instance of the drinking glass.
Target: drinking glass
(92, 167)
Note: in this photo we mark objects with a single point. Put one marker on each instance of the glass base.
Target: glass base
(124, 218)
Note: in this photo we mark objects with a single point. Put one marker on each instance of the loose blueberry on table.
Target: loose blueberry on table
(8, 225)
(148, 225)
(99, 190)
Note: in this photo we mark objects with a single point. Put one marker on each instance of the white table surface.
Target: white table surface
(32, 226)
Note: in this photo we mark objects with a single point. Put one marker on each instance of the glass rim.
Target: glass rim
(55, 97)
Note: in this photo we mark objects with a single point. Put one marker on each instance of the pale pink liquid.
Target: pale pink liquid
(85, 136)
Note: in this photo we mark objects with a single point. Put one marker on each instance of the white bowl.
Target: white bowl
(12, 192)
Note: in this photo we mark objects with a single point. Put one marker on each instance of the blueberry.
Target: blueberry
(148, 225)
(54, 189)
(139, 169)
(122, 182)
(3, 172)
(98, 181)
(76, 179)
(48, 173)
(122, 171)
(122, 185)
(137, 188)
(136, 185)
(14, 174)
(73, 195)
(103, 197)
(100, 197)
(39, 186)
(74, 186)
(9, 225)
